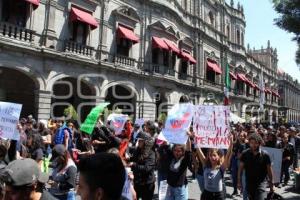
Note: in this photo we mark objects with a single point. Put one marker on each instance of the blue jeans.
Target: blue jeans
(177, 193)
(200, 179)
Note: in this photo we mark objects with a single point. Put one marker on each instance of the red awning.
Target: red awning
(172, 47)
(232, 76)
(34, 2)
(80, 15)
(275, 93)
(127, 34)
(256, 86)
(250, 83)
(188, 57)
(242, 77)
(212, 65)
(267, 90)
(159, 43)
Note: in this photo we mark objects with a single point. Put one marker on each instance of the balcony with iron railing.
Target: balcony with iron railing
(160, 69)
(14, 32)
(79, 49)
(124, 61)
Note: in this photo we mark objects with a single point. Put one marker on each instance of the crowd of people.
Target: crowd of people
(55, 160)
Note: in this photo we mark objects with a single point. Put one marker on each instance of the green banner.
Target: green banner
(91, 119)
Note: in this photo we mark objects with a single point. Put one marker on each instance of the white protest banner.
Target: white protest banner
(9, 117)
(211, 126)
(117, 122)
(276, 159)
(163, 189)
(178, 122)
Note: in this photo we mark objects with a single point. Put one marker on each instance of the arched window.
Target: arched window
(211, 18)
(228, 32)
(238, 37)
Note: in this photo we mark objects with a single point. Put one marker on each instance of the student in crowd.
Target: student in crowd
(257, 166)
(35, 146)
(214, 168)
(102, 177)
(295, 140)
(63, 177)
(179, 160)
(287, 158)
(142, 164)
(24, 181)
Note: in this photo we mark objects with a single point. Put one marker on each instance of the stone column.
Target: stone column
(50, 37)
(43, 104)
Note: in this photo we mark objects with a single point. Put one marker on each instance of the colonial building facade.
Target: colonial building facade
(289, 90)
(140, 55)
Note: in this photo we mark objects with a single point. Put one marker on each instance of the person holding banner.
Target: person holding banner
(214, 168)
(179, 159)
(257, 165)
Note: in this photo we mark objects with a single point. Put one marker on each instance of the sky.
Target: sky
(260, 28)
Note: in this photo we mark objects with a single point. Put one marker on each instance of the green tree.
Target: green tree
(289, 20)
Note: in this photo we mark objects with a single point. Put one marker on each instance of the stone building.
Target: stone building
(289, 90)
(140, 55)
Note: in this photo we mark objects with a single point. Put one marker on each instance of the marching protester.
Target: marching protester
(287, 158)
(295, 140)
(257, 166)
(215, 165)
(179, 160)
(64, 174)
(142, 164)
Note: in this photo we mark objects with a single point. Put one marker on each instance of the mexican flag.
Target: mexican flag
(227, 85)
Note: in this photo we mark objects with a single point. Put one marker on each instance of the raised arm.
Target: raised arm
(227, 159)
(201, 156)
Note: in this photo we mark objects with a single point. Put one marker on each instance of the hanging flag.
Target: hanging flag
(262, 91)
(227, 85)
(92, 118)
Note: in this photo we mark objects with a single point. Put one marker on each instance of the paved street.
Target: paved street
(287, 192)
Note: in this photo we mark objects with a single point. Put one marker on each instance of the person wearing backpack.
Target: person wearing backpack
(63, 136)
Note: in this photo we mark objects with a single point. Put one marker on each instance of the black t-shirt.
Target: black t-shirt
(255, 167)
(177, 177)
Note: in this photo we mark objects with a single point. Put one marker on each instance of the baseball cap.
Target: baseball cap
(23, 172)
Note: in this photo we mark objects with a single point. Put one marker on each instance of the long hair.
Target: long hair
(220, 154)
(37, 142)
(64, 160)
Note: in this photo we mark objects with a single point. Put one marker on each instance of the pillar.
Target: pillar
(50, 37)
(43, 104)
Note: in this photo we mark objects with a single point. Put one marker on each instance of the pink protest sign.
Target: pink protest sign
(211, 126)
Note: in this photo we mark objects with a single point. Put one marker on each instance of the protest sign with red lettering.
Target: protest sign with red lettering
(211, 126)
(178, 122)
(117, 122)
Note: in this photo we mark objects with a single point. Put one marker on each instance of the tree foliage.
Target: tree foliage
(289, 19)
